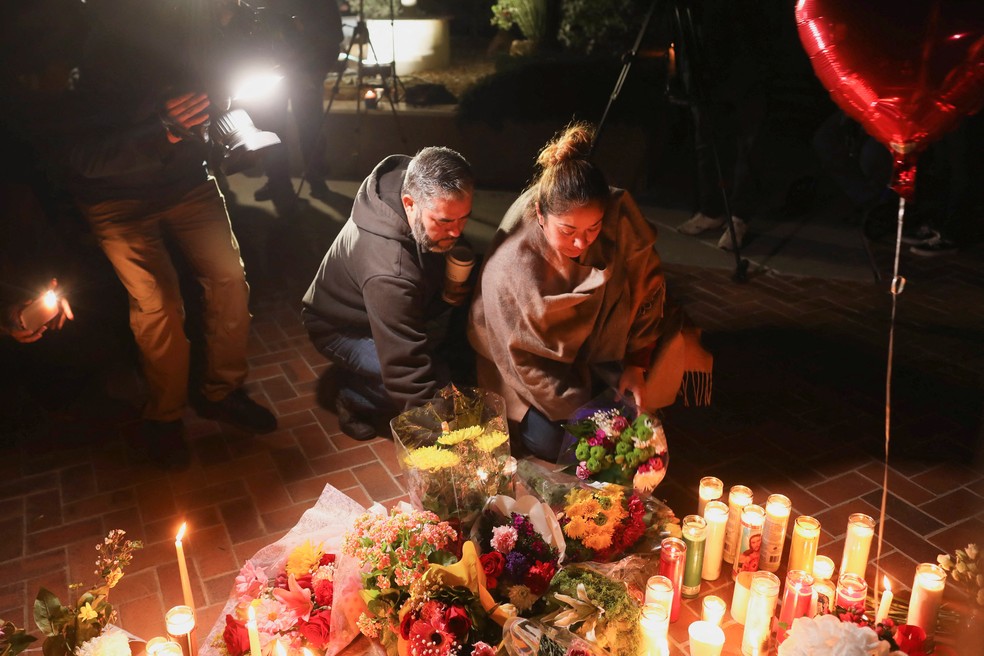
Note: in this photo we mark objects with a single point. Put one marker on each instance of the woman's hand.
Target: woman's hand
(632, 380)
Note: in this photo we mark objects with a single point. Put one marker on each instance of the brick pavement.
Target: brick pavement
(798, 409)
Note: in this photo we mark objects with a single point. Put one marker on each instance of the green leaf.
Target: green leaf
(49, 614)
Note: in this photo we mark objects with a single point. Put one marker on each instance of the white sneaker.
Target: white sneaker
(699, 223)
(740, 229)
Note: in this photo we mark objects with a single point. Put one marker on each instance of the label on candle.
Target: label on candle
(750, 543)
(694, 564)
(774, 532)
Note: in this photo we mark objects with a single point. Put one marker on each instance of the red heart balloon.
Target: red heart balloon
(906, 71)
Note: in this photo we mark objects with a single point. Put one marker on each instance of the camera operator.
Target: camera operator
(139, 176)
(304, 37)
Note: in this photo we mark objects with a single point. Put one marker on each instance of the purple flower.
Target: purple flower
(517, 565)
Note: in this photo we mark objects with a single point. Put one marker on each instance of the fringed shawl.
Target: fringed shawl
(540, 320)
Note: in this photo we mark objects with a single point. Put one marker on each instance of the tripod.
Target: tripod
(689, 54)
(360, 38)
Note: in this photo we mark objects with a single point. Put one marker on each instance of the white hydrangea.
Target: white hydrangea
(826, 635)
(111, 642)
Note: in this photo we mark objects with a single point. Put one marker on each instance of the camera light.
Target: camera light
(50, 299)
(256, 85)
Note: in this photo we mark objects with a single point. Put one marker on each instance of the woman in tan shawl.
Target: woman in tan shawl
(572, 298)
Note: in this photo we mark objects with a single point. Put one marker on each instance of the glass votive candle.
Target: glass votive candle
(797, 600)
(927, 596)
(777, 508)
(851, 591)
(654, 621)
(694, 530)
(857, 544)
(762, 597)
(672, 560)
(180, 622)
(712, 609)
(750, 540)
(706, 638)
(711, 489)
(823, 568)
(167, 648)
(739, 496)
(716, 515)
(803, 546)
(659, 590)
(739, 599)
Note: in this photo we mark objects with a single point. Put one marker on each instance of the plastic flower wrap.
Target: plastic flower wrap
(611, 441)
(595, 607)
(600, 521)
(531, 637)
(522, 547)
(302, 592)
(826, 635)
(393, 551)
(450, 612)
(454, 452)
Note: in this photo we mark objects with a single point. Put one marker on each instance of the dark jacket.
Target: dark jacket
(374, 281)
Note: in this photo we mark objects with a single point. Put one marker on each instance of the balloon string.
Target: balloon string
(898, 284)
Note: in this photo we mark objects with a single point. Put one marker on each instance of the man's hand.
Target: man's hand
(63, 314)
(631, 382)
(185, 112)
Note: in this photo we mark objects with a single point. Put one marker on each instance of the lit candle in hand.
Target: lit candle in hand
(885, 604)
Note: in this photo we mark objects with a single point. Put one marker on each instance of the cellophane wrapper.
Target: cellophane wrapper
(325, 523)
(454, 453)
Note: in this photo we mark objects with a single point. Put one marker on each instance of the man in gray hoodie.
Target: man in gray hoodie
(375, 308)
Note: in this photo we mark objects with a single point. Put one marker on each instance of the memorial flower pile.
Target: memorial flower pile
(611, 446)
(292, 605)
(601, 523)
(394, 551)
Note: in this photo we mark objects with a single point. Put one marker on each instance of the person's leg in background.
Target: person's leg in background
(307, 95)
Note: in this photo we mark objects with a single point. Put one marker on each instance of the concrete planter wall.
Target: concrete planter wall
(421, 44)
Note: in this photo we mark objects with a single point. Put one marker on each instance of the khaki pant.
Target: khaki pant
(132, 233)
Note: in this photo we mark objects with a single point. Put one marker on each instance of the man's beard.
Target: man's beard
(427, 244)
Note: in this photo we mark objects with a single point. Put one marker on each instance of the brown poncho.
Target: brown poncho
(540, 320)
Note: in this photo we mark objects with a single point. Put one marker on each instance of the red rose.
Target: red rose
(539, 576)
(491, 582)
(317, 631)
(236, 636)
(910, 639)
(492, 563)
(456, 621)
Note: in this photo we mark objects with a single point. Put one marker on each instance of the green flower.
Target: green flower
(598, 452)
(623, 447)
(593, 465)
(583, 451)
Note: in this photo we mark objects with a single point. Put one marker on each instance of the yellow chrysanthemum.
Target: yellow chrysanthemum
(490, 441)
(597, 540)
(576, 527)
(431, 458)
(303, 559)
(460, 435)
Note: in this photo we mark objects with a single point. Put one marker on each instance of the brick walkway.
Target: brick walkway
(798, 409)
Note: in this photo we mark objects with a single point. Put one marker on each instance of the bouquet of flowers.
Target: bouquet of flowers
(965, 569)
(530, 637)
(450, 613)
(852, 633)
(84, 629)
(300, 591)
(616, 444)
(600, 521)
(454, 452)
(393, 551)
(522, 547)
(596, 608)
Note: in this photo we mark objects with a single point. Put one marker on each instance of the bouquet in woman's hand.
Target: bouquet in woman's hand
(610, 441)
(522, 546)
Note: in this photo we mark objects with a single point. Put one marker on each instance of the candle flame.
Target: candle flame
(181, 532)
(886, 583)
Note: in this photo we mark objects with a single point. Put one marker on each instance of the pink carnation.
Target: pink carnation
(503, 539)
(582, 470)
(250, 582)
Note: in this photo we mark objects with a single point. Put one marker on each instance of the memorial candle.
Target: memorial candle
(654, 620)
(762, 596)
(711, 489)
(851, 590)
(823, 568)
(706, 638)
(750, 542)
(712, 609)
(803, 547)
(777, 508)
(189, 600)
(180, 622)
(927, 596)
(672, 559)
(252, 632)
(885, 605)
(694, 530)
(659, 590)
(716, 514)
(739, 598)
(797, 599)
(860, 530)
(738, 497)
